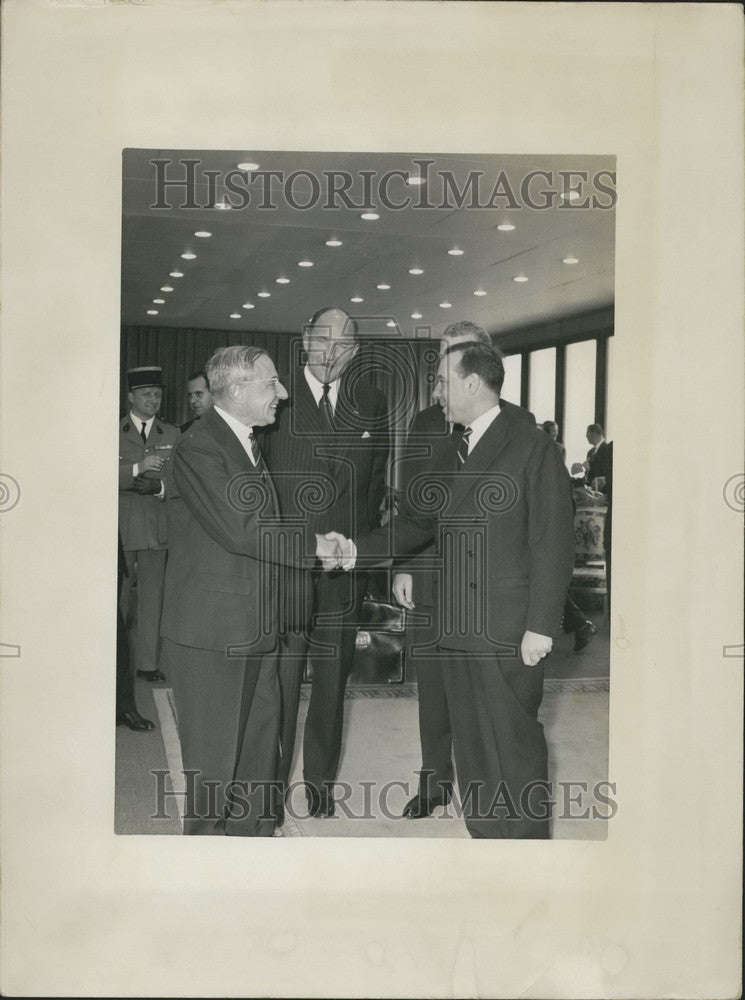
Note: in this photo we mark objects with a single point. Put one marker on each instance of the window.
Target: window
(542, 396)
(512, 371)
(580, 399)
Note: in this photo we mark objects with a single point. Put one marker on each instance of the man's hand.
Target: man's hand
(345, 547)
(150, 463)
(403, 590)
(146, 486)
(534, 647)
(329, 551)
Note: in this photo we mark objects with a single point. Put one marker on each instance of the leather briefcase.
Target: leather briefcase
(380, 643)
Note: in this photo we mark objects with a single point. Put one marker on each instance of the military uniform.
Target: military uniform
(143, 524)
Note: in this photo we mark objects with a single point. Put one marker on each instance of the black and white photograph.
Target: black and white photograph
(415, 353)
(400, 653)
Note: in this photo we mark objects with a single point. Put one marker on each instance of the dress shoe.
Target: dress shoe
(133, 720)
(583, 635)
(420, 807)
(320, 802)
(154, 676)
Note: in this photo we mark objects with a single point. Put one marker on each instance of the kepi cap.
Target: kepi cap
(138, 378)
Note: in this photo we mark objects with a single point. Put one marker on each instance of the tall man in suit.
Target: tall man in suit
(412, 588)
(220, 609)
(333, 434)
(505, 539)
(145, 447)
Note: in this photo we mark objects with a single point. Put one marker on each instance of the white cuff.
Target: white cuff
(349, 562)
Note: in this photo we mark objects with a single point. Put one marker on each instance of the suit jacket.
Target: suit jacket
(334, 480)
(428, 432)
(504, 533)
(143, 520)
(221, 583)
(599, 461)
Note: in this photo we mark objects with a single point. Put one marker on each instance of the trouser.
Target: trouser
(500, 748)
(149, 565)
(125, 695)
(435, 734)
(330, 645)
(228, 721)
(574, 617)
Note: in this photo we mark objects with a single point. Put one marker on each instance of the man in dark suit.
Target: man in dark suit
(412, 588)
(504, 529)
(332, 436)
(145, 447)
(598, 459)
(199, 396)
(220, 606)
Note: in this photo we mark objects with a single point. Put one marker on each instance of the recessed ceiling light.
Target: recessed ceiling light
(188, 256)
(479, 291)
(305, 263)
(369, 216)
(445, 305)
(159, 302)
(570, 260)
(176, 274)
(416, 315)
(235, 315)
(265, 295)
(202, 234)
(166, 288)
(506, 227)
(520, 278)
(356, 298)
(391, 323)
(247, 305)
(456, 252)
(383, 288)
(415, 179)
(333, 243)
(152, 312)
(415, 270)
(248, 165)
(223, 206)
(282, 281)
(570, 195)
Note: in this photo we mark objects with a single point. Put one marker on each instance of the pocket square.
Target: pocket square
(366, 435)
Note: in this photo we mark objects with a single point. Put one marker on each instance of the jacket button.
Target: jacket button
(472, 586)
(470, 552)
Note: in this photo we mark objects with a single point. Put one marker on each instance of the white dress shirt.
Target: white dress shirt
(242, 432)
(316, 388)
(481, 425)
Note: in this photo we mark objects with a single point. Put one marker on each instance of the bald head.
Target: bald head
(330, 340)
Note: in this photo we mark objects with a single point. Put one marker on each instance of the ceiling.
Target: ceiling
(253, 245)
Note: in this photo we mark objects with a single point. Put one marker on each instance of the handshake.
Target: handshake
(335, 551)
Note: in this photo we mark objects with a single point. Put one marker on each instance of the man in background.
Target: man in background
(145, 447)
(552, 429)
(199, 396)
(597, 463)
(333, 435)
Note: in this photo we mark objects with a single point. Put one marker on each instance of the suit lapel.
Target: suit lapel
(227, 440)
(481, 459)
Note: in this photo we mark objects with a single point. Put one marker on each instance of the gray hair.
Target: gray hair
(230, 364)
(465, 328)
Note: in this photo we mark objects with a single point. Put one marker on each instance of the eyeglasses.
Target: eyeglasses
(241, 381)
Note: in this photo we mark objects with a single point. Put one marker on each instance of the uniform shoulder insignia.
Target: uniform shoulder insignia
(126, 427)
(159, 428)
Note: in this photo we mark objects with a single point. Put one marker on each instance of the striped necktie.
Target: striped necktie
(462, 446)
(256, 453)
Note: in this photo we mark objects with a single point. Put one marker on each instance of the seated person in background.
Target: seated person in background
(552, 429)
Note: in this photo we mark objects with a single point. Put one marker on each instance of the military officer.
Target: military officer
(145, 447)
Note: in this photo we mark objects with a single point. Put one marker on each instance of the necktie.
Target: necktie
(327, 414)
(462, 446)
(256, 453)
(143, 433)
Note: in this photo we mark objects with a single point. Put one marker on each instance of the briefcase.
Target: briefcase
(380, 643)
